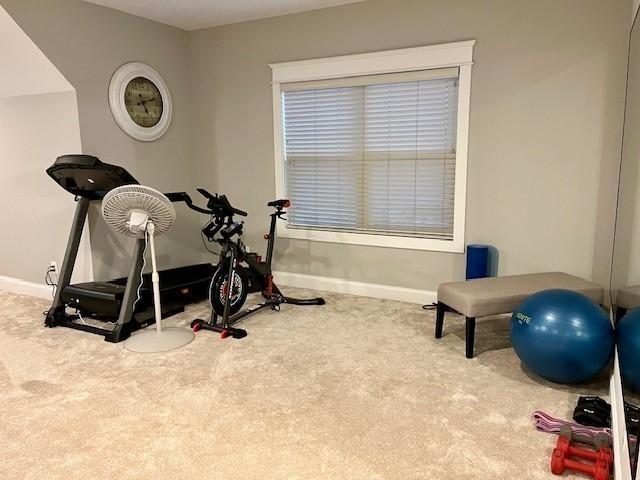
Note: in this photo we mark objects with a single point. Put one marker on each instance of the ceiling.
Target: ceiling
(195, 14)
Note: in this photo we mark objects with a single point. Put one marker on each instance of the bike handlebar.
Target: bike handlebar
(222, 213)
(218, 205)
(184, 197)
(221, 203)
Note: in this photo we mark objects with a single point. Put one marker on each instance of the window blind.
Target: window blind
(372, 154)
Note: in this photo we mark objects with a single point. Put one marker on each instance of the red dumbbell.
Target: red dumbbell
(602, 453)
(559, 464)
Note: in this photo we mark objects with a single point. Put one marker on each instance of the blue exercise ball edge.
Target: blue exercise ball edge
(628, 341)
(562, 336)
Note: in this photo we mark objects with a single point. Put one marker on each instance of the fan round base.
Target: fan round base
(152, 341)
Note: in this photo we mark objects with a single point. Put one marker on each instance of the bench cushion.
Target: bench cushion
(628, 297)
(497, 295)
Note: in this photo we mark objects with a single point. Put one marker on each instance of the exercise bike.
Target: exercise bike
(247, 271)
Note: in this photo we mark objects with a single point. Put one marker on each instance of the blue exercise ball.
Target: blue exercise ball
(628, 340)
(562, 336)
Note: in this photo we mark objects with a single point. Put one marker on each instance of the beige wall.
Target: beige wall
(546, 111)
(87, 43)
(26, 70)
(35, 217)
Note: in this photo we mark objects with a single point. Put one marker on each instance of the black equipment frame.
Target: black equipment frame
(224, 230)
(89, 179)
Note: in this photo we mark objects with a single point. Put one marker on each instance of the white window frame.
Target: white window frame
(458, 54)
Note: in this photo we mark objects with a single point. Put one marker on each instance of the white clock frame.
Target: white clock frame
(119, 81)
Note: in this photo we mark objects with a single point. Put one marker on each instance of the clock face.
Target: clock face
(140, 101)
(143, 102)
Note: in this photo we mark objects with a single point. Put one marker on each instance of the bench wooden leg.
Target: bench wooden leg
(440, 309)
(471, 331)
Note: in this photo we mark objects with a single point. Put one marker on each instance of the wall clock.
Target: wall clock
(140, 101)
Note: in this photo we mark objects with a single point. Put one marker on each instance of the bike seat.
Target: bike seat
(282, 203)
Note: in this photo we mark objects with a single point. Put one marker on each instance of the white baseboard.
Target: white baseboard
(340, 285)
(22, 287)
(328, 284)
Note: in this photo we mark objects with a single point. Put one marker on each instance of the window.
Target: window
(375, 158)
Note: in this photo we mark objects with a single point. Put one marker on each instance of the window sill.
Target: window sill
(388, 241)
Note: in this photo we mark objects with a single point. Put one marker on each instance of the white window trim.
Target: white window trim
(459, 54)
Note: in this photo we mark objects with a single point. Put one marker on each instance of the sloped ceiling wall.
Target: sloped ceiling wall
(25, 69)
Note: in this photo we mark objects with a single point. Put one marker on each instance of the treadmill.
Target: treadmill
(110, 308)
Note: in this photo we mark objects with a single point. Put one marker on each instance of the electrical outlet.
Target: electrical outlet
(54, 265)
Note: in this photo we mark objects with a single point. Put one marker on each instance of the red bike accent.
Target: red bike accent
(269, 289)
(238, 264)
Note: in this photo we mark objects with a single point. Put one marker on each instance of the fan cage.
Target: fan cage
(120, 202)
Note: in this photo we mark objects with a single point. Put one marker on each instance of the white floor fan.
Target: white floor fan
(139, 211)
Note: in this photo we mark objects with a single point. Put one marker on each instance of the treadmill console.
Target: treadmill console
(86, 176)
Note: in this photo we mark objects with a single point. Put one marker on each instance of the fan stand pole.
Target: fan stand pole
(155, 277)
(161, 339)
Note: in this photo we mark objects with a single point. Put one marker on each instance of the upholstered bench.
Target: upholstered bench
(498, 295)
(627, 298)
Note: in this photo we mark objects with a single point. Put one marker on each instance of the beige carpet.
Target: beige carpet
(355, 389)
